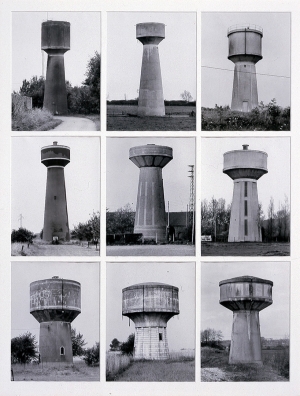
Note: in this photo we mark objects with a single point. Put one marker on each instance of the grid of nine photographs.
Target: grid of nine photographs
(150, 188)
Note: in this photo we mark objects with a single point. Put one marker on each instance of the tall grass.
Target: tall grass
(115, 364)
(183, 354)
(33, 120)
(278, 360)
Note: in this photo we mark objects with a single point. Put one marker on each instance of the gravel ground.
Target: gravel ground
(151, 250)
(53, 250)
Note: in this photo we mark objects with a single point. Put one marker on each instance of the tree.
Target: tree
(271, 220)
(77, 343)
(115, 345)
(23, 348)
(211, 337)
(91, 356)
(89, 230)
(34, 88)
(121, 221)
(93, 80)
(128, 346)
(22, 235)
(186, 95)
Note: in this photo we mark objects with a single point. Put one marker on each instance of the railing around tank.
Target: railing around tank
(244, 27)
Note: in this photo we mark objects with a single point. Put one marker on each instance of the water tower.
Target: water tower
(245, 50)
(245, 167)
(245, 296)
(150, 215)
(151, 97)
(56, 223)
(150, 306)
(55, 41)
(55, 303)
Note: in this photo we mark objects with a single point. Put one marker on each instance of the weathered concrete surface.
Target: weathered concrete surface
(245, 296)
(55, 303)
(151, 97)
(75, 124)
(245, 48)
(150, 217)
(55, 40)
(245, 167)
(150, 306)
(56, 222)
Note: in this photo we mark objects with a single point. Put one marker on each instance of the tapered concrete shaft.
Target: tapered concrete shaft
(55, 41)
(56, 222)
(150, 216)
(245, 167)
(150, 306)
(245, 48)
(245, 296)
(55, 303)
(151, 98)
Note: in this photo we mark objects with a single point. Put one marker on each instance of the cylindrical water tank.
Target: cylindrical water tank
(151, 155)
(56, 35)
(245, 40)
(55, 299)
(55, 155)
(150, 32)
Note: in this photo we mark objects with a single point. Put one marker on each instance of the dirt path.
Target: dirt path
(75, 124)
(54, 250)
(151, 250)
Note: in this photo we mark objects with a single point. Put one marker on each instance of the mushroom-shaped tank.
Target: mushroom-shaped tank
(55, 303)
(150, 216)
(150, 306)
(245, 296)
(55, 155)
(56, 36)
(245, 167)
(151, 97)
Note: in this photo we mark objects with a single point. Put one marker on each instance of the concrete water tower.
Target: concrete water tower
(150, 306)
(55, 41)
(245, 296)
(55, 303)
(245, 50)
(151, 97)
(150, 215)
(56, 223)
(245, 167)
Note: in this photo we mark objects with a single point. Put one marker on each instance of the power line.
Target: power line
(248, 72)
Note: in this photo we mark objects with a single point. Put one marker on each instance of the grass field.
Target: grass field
(245, 249)
(215, 367)
(151, 250)
(180, 367)
(78, 371)
(177, 119)
(41, 248)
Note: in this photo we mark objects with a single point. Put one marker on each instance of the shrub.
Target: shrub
(22, 235)
(30, 120)
(91, 357)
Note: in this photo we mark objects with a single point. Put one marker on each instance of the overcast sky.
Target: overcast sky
(180, 328)
(26, 44)
(216, 85)
(275, 183)
(29, 176)
(122, 176)
(177, 53)
(274, 320)
(87, 274)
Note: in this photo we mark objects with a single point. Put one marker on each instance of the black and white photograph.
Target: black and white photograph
(55, 321)
(150, 197)
(151, 76)
(245, 71)
(56, 71)
(55, 190)
(252, 342)
(157, 341)
(245, 196)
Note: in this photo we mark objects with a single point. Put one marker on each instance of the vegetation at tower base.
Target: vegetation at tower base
(270, 117)
(22, 235)
(89, 230)
(128, 346)
(77, 343)
(92, 355)
(23, 348)
(121, 221)
(215, 219)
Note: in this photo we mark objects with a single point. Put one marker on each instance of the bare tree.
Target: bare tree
(186, 95)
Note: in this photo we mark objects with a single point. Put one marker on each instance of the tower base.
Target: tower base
(245, 338)
(244, 93)
(55, 343)
(151, 343)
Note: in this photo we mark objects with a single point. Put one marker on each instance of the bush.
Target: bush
(91, 357)
(22, 235)
(30, 120)
(23, 348)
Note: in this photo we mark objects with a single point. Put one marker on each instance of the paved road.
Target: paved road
(151, 250)
(75, 124)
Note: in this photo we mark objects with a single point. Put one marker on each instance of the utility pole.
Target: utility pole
(192, 200)
(20, 219)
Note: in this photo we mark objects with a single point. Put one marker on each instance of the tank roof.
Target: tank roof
(245, 27)
(242, 150)
(55, 145)
(246, 278)
(149, 284)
